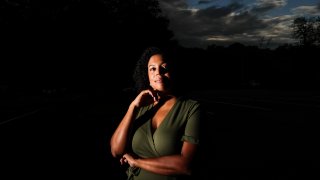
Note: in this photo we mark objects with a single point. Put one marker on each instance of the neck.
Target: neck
(165, 97)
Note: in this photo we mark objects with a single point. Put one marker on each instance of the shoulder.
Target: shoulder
(189, 102)
(189, 106)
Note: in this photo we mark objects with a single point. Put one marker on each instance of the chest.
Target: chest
(159, 116)
(165, 140)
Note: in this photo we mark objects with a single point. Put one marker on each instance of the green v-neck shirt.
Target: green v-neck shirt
(182, 123)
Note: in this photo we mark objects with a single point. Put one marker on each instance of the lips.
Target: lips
(158, 81)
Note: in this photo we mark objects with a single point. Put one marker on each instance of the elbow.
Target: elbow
(116, 153)
(116, 150)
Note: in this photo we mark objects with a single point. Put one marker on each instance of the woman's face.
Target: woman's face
(159, 76)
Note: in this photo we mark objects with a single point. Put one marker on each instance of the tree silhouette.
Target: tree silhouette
(264, 42)
(134, 21)
(54, 34)
(307, 30)
(140, 21)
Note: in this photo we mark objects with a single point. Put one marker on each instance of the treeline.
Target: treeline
(249, 67)
(75, 42)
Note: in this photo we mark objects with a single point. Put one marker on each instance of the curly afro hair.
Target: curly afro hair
(140, 75)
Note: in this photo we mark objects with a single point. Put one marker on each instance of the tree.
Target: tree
(59, 32)
(140, 21)
(136, 21)
(307, 30)
(264, 42)
(317, 34)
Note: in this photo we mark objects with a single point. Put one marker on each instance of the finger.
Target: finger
(121, 161)
(151, 93)
(157, 95)
(154, 95)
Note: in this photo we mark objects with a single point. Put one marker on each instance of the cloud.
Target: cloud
(173, 4)
(266, 5)
(235, 22)
(201, 27)
(306, 11)
(217, 12)
(206, 1)
(278, 28)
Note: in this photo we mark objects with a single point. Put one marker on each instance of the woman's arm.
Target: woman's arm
(167, 165)
(119, 138)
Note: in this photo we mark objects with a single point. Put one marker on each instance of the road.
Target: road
(251, 134)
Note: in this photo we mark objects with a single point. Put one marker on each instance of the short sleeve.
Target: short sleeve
(192, 129)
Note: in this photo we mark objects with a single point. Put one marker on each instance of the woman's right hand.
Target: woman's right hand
(146, 97)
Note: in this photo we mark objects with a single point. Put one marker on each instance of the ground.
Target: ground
(251, 134)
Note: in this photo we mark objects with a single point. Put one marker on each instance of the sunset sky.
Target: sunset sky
(199, 23)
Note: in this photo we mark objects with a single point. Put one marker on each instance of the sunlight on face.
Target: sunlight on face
(159, 76)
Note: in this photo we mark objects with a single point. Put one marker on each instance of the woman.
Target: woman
(160, 133)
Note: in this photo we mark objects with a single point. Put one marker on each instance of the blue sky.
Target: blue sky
(199, 23)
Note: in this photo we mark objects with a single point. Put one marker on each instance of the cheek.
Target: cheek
(150, 76)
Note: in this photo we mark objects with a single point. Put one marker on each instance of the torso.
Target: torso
(163, 133)
(162, 113)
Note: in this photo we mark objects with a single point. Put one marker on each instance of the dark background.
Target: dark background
(65, 84)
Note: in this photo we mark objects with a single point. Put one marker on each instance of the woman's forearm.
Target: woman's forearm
(166, 165)
(119, 138)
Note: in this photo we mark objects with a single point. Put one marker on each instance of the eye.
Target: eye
(164, 69)
(152, 69)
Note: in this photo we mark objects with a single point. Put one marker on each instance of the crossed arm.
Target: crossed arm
(166, 165)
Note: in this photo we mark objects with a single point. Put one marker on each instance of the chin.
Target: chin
(161, 89)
